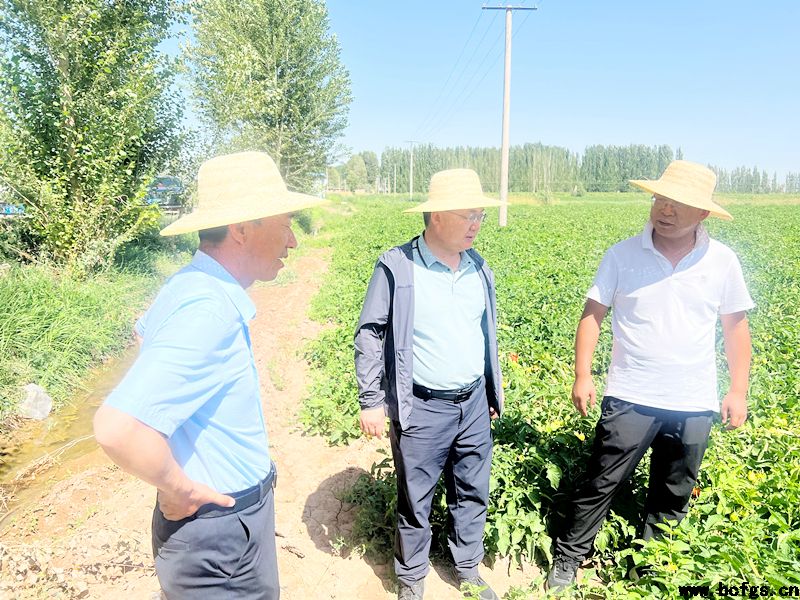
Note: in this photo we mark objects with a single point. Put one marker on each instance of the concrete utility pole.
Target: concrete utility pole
(506, 108)
(411, 170)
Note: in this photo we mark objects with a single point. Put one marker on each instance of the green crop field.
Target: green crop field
(744, 524)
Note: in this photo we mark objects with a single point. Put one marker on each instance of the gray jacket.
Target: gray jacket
(384, 337)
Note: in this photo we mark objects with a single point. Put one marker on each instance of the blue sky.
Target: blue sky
(720, 79)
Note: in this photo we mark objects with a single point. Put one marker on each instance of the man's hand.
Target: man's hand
(583, 393)
(493, 414)
(177, 506)
(373, 421)
(734, 409)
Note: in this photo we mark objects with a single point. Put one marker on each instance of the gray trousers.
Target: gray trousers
(623, 434)
(456, 438)
(227, 556)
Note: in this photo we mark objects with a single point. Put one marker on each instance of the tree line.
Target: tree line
(90, 113)
(535, 168)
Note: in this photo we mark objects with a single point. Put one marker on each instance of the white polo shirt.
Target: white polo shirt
(664, 319)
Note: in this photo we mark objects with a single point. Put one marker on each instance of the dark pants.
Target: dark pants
(622, 436)
(455, 438)
(213, 557)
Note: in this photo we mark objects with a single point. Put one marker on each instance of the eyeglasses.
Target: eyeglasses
(472, 218)
(661, 201)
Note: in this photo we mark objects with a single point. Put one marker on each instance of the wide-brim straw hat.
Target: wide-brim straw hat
(240, 187)
(688, 183)
(455, 189)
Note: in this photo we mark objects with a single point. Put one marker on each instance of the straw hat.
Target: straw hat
(240, 187)
(688, 183)
(455, 189)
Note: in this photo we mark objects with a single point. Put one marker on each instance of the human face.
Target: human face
(266, 242)
(673, 220)
(457, 229)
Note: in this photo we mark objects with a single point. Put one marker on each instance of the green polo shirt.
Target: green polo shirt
(449, 344)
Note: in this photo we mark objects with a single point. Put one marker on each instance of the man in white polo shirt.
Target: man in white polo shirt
(666, 287)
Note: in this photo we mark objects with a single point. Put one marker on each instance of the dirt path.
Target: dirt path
(87, 534)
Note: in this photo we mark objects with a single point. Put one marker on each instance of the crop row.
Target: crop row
(744, 523)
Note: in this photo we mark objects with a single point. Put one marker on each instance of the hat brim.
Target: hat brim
(654, 187)
(271, 207)
(434, 206)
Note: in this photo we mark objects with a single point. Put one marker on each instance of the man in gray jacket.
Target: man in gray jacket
(426, 356)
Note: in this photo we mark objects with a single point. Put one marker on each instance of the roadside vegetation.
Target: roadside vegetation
(743, 521)
(91, 118)
(56, 325)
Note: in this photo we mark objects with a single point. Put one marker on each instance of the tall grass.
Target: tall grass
(54, 327)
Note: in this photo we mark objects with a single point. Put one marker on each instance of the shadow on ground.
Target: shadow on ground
(330, 522)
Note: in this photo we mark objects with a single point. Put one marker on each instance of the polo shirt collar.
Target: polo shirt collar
(204, 263)
(429, 258)
(701, 237)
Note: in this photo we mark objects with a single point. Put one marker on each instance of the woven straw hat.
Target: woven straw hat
(240, 187)
(455, 189)
(688, 183)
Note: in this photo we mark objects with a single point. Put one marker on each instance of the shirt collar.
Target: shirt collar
(429, 257)
(204, 263)
(701, 237)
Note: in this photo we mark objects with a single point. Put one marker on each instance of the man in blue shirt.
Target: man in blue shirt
(187, 417)
(426, 356)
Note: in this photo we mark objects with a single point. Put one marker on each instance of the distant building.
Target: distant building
(166, 191)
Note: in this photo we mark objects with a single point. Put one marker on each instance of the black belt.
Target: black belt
(244, 499)
(459, 395)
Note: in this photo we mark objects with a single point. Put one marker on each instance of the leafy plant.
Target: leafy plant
(743, 522)
(86, 120)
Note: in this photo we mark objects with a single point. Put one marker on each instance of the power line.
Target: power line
(497, 56)
(439, 110)
(452, 70)
(462, 99)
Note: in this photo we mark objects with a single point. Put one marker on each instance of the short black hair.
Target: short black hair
(213, 236)
(426, 217)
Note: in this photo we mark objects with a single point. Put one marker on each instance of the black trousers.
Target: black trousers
(449, 437)
(623, 434)
(229, 556)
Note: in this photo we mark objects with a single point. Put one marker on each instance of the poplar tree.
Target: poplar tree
(356, 173)
(88, 119)
(268, 76)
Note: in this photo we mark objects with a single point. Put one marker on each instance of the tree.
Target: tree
(356, 173)
(371, 163)
(268, 77)
(89, 119)
(334, 179)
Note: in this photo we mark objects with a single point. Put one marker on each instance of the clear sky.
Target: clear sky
(720, 79)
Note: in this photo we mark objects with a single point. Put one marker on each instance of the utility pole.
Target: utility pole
(506, 109)
(411, 170)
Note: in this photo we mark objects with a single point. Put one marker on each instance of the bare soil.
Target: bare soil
(85, 531)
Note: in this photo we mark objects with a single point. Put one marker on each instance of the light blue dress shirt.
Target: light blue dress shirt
(449, 342)
(195, 379)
